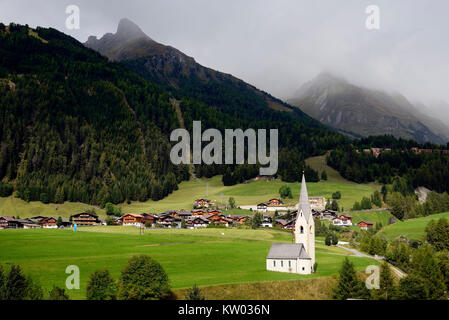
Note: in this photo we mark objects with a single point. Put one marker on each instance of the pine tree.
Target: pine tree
(349, 285)
(386, 283)
(195, 293)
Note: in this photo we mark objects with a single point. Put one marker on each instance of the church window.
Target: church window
(289, 264)
(282, 263)
(302, 229)
(303, 269)
(274, 263)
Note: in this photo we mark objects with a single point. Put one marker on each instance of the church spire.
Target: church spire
(304, 204)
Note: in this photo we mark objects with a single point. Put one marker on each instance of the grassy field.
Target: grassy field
(319, 164)
(206, 257)
(371, 216)
(16, 207)
(412, 228)
(250, 193)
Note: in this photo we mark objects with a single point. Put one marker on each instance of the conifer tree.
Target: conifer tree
(349, 285)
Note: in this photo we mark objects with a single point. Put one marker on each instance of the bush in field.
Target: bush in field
(15, 286)
(143, 279)
(58, 293)
(101, 286)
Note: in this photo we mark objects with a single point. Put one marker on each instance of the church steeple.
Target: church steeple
(304, 204)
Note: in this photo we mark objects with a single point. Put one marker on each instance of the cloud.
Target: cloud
(278, 45)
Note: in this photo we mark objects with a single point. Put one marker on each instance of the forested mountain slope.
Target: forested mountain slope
(77, 127)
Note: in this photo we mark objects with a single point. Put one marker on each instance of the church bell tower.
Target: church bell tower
(305, 226)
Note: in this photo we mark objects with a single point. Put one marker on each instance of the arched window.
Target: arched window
(302, 229)
(311, 230)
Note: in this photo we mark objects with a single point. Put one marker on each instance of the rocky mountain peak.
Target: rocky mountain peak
(129, 30)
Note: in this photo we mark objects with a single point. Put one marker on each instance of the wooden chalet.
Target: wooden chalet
(365, 225)
(202, 203)
(199, 212)
(285, 224)
(197, 222)
(4, 222)
(48, 223)
(85, 219)
(218, 212)
(148, 217)
(275, 203)
(218, 219)
(132, 219)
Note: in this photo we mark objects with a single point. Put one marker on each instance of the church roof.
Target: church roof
(287, 251)
(304, 204)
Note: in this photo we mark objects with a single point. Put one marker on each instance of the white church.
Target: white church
(298, 257)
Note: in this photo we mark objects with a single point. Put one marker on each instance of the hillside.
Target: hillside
(250, 193)
(412, 228)
(365, 112)
(220, 99)
(74, 127)
(77, 127)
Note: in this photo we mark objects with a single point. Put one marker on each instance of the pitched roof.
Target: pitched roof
(304, 204)
(287, 251)
(8, 218)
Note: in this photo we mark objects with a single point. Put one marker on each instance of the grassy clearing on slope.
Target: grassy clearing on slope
(11, 206)
(412, 228)
(371, 216)
(205, 257)
(319, 164)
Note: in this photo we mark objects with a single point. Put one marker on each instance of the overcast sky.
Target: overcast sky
(279, 44)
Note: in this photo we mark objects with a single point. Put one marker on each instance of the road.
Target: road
(357, 253)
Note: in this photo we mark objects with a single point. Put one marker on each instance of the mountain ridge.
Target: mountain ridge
(345, 106)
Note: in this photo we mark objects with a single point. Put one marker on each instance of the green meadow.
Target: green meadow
(371, 216)
(412, 228)
(207, 257)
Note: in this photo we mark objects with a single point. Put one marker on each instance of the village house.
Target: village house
(85, 219)
(195, 222)
(218, 219)
(199, 212)
(285, 224)
(342, 221)
(149, 218)
(275, 202)
(317, 203)
(182, 214)
(48, 223)
(267, 222)
(202, 203)
(262, 207)
(132, 219)
(365, 225)
(4, 222)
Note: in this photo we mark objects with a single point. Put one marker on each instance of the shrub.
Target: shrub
(143, 279)
(58, 294)
(101, 286)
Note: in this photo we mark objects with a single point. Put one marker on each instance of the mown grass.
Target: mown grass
(412, 228)
(206, 257)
